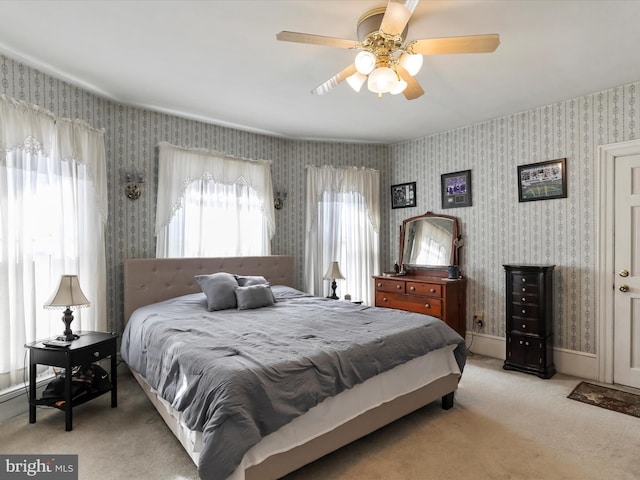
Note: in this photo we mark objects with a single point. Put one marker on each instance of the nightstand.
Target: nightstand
(88, 348)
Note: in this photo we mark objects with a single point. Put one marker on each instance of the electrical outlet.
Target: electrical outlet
(478, 319)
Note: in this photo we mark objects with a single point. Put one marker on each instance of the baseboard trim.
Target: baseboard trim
(570, 362)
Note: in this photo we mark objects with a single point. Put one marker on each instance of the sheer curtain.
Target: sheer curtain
(52, 217)
(343, 224)
(210, 204)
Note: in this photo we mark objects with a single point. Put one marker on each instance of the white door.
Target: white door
(626, 362)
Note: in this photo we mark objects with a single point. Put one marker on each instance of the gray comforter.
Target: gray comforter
(238, 375)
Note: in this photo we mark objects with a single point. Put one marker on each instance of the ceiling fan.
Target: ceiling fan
(386, 61)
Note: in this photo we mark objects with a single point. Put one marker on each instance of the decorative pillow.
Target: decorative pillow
(246, 280)
(254, 296)
(219, 289)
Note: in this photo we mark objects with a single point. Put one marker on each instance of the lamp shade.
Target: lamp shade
(356, 81)
(365, 62)
(68, 294)
(411, 62)
(382, 80)
(333, 272)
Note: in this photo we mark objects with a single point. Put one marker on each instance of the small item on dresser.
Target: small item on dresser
(453, 272)
(396, 267)
(56, 343)
(347, 297)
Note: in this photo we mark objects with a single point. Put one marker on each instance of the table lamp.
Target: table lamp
(69, 294)
(332, 273)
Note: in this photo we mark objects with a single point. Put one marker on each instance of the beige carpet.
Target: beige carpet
(504, 425)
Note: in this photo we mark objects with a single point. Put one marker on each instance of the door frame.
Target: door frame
(605, 274)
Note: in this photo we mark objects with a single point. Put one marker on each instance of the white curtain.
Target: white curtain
(343, 224)
(52, 217)
(211, 204)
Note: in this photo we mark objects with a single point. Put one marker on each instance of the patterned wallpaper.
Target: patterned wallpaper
(497, 228)
(131, 137)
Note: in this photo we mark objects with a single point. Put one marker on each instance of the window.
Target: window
(342, 225)
(52, 216)
(213, 205)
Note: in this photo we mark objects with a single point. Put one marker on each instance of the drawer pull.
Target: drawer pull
(384, 299)
(524, 299)
(520, 342)
(379, 284)
(426, 305)
(433, 290)
(524, 280)
(524, 311)
(524, 289)
(96, 354)
(524, 326)
(412, 288)
(526, 343)
(399, 287)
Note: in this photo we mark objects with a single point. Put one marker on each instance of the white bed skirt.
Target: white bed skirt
(325, 416)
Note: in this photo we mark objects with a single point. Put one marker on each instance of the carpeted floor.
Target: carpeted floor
(504, 426)
(606, 397)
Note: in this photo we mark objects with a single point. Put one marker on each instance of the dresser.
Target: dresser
(529, 319)
(440, 297)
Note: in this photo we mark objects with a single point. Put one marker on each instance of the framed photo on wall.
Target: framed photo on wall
(403, 195)
(542, 180)
(456, 189)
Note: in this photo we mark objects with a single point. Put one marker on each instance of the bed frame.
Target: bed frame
(148, 281)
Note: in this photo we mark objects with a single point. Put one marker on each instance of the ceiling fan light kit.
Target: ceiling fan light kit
(385, 60)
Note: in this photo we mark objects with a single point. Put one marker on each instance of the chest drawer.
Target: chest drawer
(389, 285)
(525, 311)
(524, 280)
(427, 306)
(428, 289)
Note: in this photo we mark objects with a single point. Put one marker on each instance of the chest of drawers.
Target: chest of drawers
(529, 319)
(438, 297)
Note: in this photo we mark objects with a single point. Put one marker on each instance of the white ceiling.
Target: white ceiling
(220, 62)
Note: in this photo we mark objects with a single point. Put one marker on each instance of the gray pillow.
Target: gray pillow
(219, 289)
(254, 296)
(246, 280)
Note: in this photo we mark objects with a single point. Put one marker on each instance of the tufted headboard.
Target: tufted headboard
(151, 280)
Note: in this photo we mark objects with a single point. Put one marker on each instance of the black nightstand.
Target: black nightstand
(88, 348)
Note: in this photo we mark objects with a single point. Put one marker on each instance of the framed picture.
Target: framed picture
(542, 180)
(403, 195)
(456, 189)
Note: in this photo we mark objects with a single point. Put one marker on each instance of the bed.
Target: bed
(342, 410)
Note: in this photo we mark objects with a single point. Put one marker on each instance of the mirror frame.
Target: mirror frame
(456, 243)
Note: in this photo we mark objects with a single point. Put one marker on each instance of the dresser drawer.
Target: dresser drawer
(428, 306)
(524, 325)
(389, 285)
(524, 297)
(428, 289)
(524, 311)
(524, 279)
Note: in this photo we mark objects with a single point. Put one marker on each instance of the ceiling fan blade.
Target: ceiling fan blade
(397, 16)
(466, 44)
(316, 39)
(335, 80)
(413, 90)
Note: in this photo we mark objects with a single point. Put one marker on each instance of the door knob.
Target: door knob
(624, 288)
(624, 273)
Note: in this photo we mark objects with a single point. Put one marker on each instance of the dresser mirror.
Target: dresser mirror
(430, 242)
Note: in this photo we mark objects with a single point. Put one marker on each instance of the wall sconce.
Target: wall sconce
(278, 202)
(133, 184)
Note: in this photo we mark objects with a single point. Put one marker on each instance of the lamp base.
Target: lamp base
(333, 295)
(68, 335)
